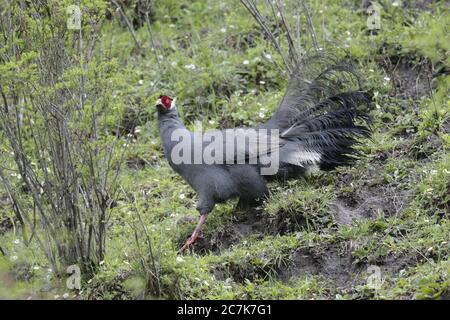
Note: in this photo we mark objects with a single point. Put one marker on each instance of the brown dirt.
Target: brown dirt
(411, 80)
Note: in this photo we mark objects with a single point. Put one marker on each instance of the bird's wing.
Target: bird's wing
(243, 144)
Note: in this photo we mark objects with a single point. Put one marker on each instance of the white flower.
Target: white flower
(262, 115)
(17, 241)
(262, 82)
(179, 259)
(141, 82)
(387, 79)
(245, 62)
(240, 103)
(211, 122)
(182, 196)
(223, 30)
(268, 56)
(13, 258)
(173, 63)
(190, 66)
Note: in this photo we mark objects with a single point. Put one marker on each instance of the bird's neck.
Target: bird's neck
(167, 123)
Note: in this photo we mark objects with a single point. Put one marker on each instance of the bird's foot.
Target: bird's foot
(190, 243)
(195, 235)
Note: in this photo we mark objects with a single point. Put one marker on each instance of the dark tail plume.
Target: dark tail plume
(324, 112)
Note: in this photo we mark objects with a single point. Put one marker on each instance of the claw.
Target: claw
(195, 235)
(189, 244)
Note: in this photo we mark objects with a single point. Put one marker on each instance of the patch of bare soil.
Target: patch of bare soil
(411, 79)
(339, 267)
(370, 197)
(329, 262)
(244, 225)
(368, 203)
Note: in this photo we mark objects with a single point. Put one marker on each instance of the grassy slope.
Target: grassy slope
(316, 237)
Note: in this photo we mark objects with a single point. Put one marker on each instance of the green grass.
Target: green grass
(399, 190)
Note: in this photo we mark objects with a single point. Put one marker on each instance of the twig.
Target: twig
(251, 7)
(310, 26)
(149, 28)
(128, 23)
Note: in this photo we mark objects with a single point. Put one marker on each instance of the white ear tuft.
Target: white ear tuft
(173, 105)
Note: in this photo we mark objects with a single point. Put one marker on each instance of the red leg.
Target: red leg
(193, 238)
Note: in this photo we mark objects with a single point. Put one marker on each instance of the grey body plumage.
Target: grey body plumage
(317, 120)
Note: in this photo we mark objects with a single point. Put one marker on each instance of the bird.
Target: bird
(322, 116)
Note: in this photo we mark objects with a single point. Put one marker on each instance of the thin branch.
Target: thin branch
(127, 22)
(310, 26)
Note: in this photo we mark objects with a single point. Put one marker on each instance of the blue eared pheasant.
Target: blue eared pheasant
(320, 119)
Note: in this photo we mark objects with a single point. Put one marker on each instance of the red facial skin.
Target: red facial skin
(166, 101)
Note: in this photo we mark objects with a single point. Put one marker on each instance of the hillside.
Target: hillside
(325, 236)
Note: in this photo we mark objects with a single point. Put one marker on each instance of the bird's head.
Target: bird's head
(165, 104)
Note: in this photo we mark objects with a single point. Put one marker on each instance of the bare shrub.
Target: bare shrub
(281, 22)
(56, 116)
